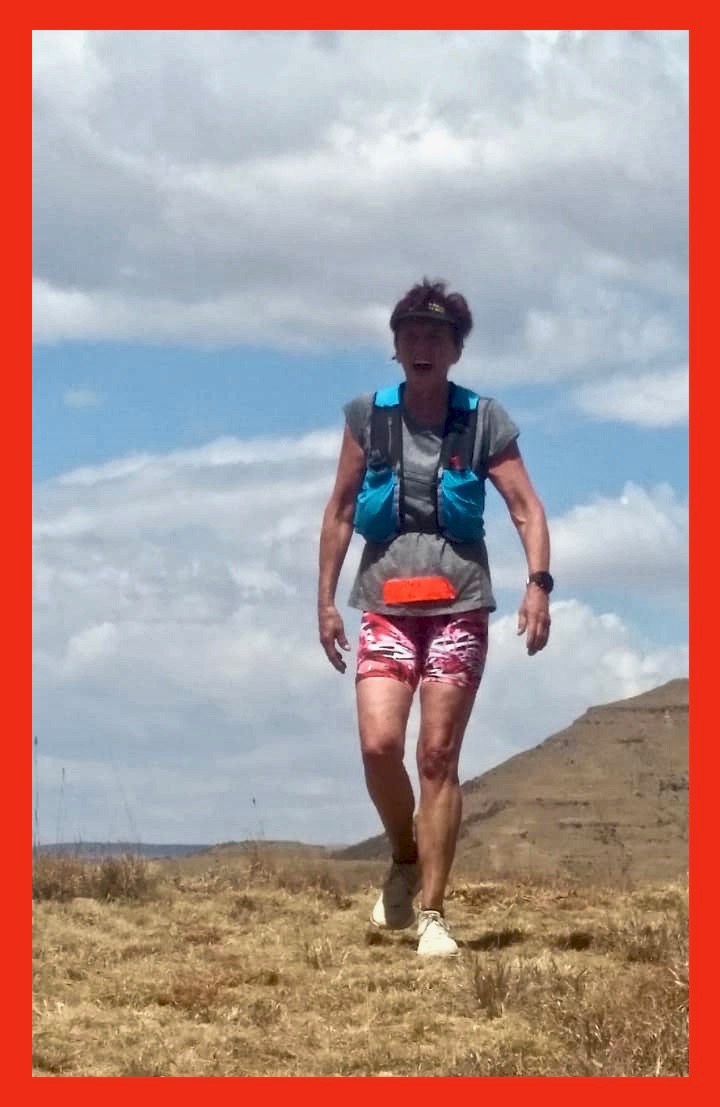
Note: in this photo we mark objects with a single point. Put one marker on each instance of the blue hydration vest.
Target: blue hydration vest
(459, 492)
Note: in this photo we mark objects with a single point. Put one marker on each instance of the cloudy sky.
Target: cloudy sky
(222, 224)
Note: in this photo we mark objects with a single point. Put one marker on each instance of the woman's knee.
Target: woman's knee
(378, 744)
(438, 763)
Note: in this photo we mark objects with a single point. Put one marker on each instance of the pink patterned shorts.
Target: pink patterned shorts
(448, 648)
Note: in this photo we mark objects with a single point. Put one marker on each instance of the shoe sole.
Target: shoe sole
(442, 956)
(387, 926)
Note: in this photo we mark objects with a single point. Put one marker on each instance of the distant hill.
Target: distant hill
(117, 849)
(159, 851)
(606, 796)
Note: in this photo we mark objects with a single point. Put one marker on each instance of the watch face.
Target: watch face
(543, 580)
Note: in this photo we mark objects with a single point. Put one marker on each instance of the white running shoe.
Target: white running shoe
(394, 909)
(434, 937)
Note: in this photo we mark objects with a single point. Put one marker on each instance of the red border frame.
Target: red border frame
(79, 1090)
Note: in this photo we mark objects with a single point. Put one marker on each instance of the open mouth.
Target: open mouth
(422, 366)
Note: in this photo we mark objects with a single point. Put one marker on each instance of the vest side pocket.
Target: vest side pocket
(376, 517)
(461, 504)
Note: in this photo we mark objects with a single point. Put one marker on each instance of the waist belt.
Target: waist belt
(417, 590)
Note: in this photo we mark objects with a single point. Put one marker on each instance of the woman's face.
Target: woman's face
(426, 350)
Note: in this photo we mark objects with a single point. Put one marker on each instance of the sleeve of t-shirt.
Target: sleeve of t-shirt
(498, 431)
(357, 417)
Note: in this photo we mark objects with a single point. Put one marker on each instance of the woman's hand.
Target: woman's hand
(335, 535)
(534, 617)
(332, 631)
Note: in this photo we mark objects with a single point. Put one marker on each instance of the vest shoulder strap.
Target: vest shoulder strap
(463, 398)
(386, 429)
(387, 397)
(458, 437)
(458, 444)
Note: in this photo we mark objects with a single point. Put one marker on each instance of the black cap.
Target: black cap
(438, 313)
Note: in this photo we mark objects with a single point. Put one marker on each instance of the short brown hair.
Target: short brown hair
(430, 300)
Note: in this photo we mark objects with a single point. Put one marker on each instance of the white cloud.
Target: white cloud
(658, 399)
(81, 398)
(177, 671)
(636, 542)
(92, 644)
(544, 175)
(639, 540)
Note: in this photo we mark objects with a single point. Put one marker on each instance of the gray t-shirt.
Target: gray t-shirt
(419, 551)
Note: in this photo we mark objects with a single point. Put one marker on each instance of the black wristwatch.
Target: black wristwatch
(543, 580)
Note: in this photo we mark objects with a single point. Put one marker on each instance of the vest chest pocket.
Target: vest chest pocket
(376, 515)
(461, 504)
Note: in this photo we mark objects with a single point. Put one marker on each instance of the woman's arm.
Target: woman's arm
(335, 535)
(508, 474)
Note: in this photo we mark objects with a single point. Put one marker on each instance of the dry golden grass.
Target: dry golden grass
(251, 966)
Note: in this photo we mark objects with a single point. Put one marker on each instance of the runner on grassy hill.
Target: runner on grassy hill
(411, 478)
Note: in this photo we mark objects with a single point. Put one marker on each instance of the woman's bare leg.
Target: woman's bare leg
(383, 708)
(445, 711)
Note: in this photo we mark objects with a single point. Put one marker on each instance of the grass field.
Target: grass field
(260, 964)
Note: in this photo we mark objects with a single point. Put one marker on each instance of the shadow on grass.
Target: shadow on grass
(494, 939)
